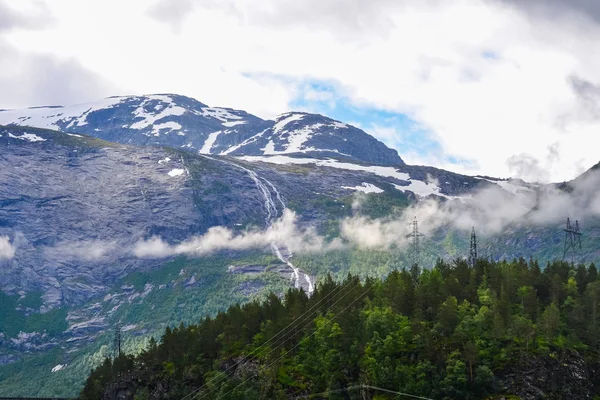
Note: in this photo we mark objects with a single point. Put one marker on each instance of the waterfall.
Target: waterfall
(271, 213)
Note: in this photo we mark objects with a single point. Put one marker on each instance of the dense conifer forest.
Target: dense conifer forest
(492, 330)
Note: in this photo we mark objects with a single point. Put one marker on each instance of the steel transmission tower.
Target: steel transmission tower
(473, 249)
(572, 239)
(117, 340)
(415, 247)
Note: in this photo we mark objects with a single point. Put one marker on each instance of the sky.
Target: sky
(504, 88)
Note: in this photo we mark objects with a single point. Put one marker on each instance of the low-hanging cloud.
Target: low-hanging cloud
(490, 210)
(7, 250)
(86, 250)
(283, 232)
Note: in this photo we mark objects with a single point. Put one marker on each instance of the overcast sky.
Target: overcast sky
(475, 86)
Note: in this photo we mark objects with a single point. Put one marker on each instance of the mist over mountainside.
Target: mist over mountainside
(152, 210)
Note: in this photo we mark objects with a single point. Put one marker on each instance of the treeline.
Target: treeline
(451, 332)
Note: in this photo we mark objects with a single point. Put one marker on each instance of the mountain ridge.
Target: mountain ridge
(183, 122)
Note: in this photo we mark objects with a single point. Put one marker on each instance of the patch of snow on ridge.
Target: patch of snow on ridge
(295, 138)
(176, 172)
(244, 143)
(298, 137)
(28, 136)
(219, 113)
(278, 127)
(269, 148)
(388, 172)
(421, 189)
(365, 188)
(32, 137)
(210, 141)
(150, 118)
(339, 125)
(164, 161)
(51, 117)
(231, 124)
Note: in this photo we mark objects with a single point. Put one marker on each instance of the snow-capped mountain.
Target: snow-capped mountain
(74, 210)
(314, 134)
(182, 122)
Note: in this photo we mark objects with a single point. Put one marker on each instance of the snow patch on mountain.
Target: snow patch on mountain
(365, 188)
(388, 172)
(421, 189)
(150, 118)
(231, 124)
(210, 141)
(339, 125)
(31, 137)
(49, 117)
(285, 119)
(244, 143)
(176, 172)
(296, 139)
(221, 114)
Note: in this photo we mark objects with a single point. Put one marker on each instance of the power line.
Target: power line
(415, 248)
(572, 239)
(473, 249)
(308, 337)
(117, 341)
(259, 349)
(361, 386)
(282, 340)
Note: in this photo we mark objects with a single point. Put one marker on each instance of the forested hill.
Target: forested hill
(490, 331)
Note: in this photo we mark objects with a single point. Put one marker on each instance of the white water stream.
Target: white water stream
(272, 212)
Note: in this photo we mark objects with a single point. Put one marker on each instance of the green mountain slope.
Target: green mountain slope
(497, 330)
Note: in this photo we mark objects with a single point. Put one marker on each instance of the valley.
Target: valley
(151, 211)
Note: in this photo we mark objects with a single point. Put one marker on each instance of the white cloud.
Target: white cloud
(86, 250)
(7, 250)
(282, 232)
(490, 210)
(487, 80)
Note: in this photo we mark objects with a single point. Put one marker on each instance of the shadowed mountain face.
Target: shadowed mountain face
(182, 122)
(74, 206)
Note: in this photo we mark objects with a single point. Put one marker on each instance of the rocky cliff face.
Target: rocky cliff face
(71, 203)
(563, 375)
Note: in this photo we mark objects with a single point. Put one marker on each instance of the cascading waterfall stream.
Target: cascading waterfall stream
(290, 254)
(272, 213)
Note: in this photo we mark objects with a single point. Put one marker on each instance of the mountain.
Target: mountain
(74, 209)
(182, 122)
(149, 211)
(65, 193)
